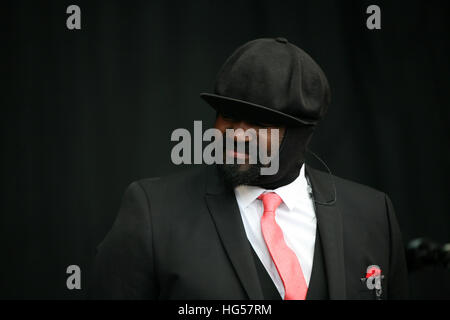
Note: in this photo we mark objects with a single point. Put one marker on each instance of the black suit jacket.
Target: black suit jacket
(182, 237)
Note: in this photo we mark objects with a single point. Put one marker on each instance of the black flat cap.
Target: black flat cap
(273, 81)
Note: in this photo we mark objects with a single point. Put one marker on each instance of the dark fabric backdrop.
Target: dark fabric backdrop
(84, 113)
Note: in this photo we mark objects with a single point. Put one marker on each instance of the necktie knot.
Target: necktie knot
(271, 201)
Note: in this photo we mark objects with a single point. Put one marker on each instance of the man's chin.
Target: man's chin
(239, 174)
(243, 167)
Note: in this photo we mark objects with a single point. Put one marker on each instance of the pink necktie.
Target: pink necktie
(284, 258)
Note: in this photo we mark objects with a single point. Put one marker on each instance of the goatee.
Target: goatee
(234, 175)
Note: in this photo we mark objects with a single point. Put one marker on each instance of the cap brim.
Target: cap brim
(250, 111)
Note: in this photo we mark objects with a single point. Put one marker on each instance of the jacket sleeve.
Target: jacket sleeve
(398, 276)
(123, 266)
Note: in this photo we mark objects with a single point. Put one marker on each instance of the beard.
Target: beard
(235, 174)
(240, 174)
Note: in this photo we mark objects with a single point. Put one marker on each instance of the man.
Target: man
(226, 231)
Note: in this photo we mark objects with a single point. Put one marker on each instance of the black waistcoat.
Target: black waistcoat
(318, 288)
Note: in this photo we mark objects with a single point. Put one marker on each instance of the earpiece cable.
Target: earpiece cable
(328, 203)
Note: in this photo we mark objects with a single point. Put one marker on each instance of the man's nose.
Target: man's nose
(242, 135)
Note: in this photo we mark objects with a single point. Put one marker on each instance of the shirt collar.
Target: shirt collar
(293, 194)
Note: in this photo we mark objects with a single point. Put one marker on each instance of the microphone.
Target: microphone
(423, 252)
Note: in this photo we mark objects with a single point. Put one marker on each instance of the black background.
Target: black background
(86, 112)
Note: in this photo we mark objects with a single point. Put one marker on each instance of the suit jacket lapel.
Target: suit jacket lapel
(225, 212)
(329, 222)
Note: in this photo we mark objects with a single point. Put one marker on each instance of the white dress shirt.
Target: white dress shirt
(295, 216)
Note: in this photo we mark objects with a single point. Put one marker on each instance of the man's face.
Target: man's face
(246, 172)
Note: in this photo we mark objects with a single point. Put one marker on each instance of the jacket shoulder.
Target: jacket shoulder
(347, 186)
(189, 178)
